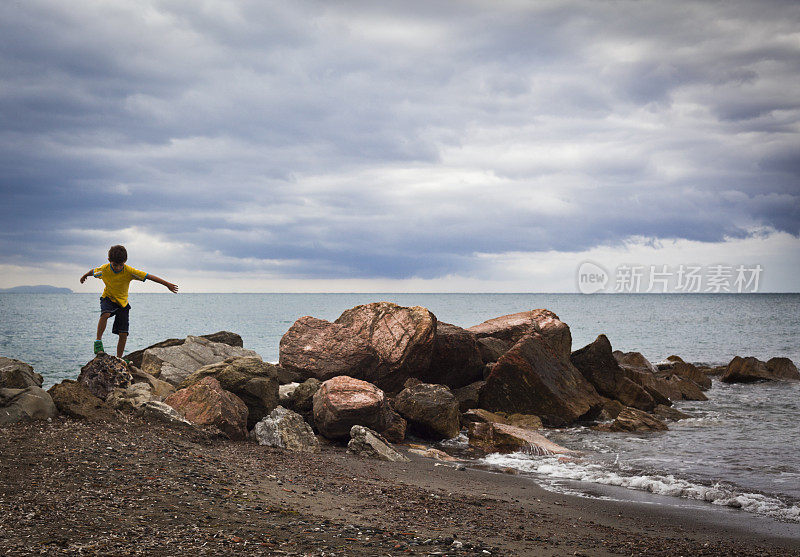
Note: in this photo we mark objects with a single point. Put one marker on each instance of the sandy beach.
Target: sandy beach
(136, 488)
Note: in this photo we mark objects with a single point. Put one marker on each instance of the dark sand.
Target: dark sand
(132, 488)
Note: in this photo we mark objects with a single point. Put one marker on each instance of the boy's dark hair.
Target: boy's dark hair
(118, 255)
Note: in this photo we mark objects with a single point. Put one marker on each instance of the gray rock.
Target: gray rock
(15, 374)
(225, 337)
(173, 364)
(77, 401)
(130, 398)
(430, 410)
(367, 443)
(287, 430)
(285, 392)
(157, 411)
(30, 403)
(103, 374)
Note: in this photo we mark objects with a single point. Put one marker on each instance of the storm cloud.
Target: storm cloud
(322, 140)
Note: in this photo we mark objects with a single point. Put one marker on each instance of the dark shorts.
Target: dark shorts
(121, 322)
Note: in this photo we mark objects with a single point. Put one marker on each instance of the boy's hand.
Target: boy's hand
(83, 279)
(173, 288)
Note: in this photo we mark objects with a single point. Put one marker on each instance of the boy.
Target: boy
(117, 277)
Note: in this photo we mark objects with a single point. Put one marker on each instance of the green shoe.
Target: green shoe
(98, 346)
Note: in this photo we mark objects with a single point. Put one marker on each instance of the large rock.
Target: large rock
(251, 379)
(524, 421)
(492, 348)
(430, 410)
(678, 388)
(633, 420)
(747, 370)
(104, 374)
(77, 401)
(468, 396)
(342, 402)
(597, 364)
(320, 349)
(173, 364)
(689, 371)
(534, 378)
(15, 374)
(157, 411)
(367, 443)
(30, 403)
(513, 327)
(493, 437)
(206, 403)
(634, 360)
(663, 386)
(403, 338)
(130, 398)
(286, 430)
(225, 337)
(456, 360)
(158, 388)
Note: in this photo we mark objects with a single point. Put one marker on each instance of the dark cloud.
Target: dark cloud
(357, 139)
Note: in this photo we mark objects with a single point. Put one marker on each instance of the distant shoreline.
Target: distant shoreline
(38, 289)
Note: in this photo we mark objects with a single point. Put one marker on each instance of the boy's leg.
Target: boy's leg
(123, 338)
(101, 325)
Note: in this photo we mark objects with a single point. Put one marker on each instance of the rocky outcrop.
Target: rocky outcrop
(493, 437)
(173, 364)
(342, 402)
(492, 348)
(689, 371)
(367, 443)
(597, 364)
(513, 327)
(30, 403)
(748, 370)
(225, 337)
(467, 397)
(129, 399)
(251, 379)
(206, 403)
(430, 410)
(456, 360)
(75, 400)
(403, 338)
(15, 374)
(320, 349)
(285, 429)
(534, 378)
(633, 420)
(104, 374)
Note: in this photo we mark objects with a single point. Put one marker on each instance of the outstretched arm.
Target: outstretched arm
(88, 274)
(172, 287)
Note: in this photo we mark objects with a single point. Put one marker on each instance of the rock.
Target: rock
(689, 371)
(612, 408)
(225, 337)
(130, 398)
(430, 410)
(15, 374)
(251, 379)
(436, 454)
(631, 419)
(173, 364)
(512, 328)
(75, 400)
(533, 378)
(342, 402)
(367, 443)
(666, 413)
(286, 430)
(597, 364)
(206, 403)
(467, 397)
(487, 370)
(747, 370)
(158, 388)
(320, 349)
(403, 338)
(285, 392)
(524, 421)
(157, 411)
(104, 374)
(480, 415)
(29, 403)
(492, 437)
(677, 387)
(712, 371)
(456, 360)
(634, 360)
(492, 348)
(302, 399)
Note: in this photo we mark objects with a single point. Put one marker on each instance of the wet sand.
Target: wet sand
(135, 488)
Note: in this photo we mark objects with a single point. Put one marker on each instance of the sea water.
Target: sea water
(740, 449)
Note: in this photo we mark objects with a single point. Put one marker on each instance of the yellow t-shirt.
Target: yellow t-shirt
(117, 283)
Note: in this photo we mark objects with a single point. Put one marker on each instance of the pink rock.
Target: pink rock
(514, 326)
(206, 403)
(342, 402)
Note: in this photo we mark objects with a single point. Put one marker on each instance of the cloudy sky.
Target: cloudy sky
(397, 146)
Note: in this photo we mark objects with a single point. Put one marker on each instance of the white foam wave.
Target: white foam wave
(554, 468)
